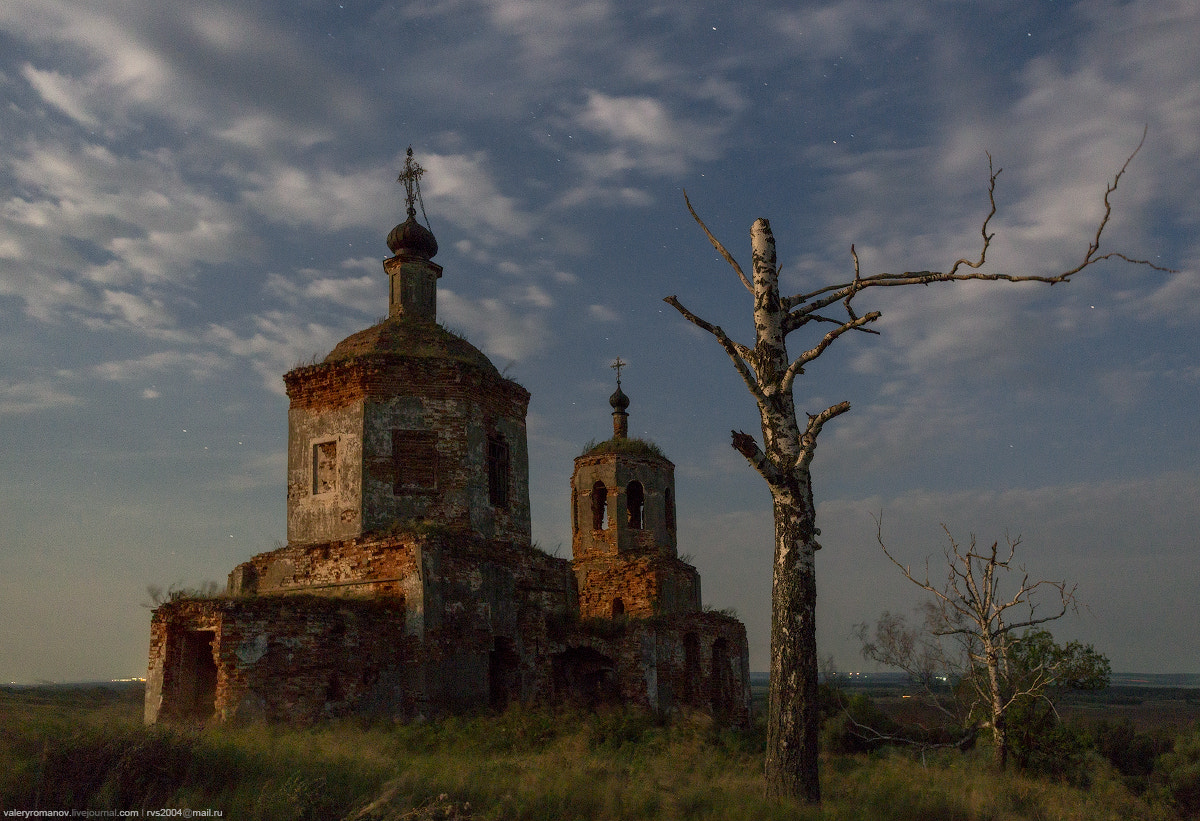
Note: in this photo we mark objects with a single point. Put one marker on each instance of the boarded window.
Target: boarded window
(498, 465)
(414, 461)
(599, 506)
(324, 459)
(635, 501)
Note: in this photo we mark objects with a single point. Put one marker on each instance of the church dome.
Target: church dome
(619, 401)
(411, 237)
(419, 340)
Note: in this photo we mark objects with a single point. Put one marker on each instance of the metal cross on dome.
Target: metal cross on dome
(411, 177)
(616, 366)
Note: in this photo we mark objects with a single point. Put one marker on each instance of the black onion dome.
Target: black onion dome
(619, 400)
(411, 237)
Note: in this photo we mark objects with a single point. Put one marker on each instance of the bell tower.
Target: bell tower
(623, 529)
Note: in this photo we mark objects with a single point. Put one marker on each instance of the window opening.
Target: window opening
(669, 509)
(414, 460)
(618, 608)
(635, 502)
(498, 467)
(599, 506)
(324, 473)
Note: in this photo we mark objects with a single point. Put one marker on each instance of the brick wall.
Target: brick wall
(647, 584)
(296, 659)
(361, 401)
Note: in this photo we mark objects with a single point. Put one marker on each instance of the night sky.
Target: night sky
(194, 198)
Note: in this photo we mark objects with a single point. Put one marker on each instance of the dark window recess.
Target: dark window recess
(498, 464)
(669, 506)
(414, 460)
(599, 506)
(635, 501)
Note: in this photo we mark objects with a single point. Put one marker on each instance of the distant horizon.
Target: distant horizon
(1117, 678)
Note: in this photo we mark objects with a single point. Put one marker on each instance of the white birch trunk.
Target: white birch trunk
(793, 720)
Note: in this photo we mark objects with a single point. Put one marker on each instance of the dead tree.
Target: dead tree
(972, 612)
(788, 447)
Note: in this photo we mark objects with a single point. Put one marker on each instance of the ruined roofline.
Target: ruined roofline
(402, 534)
(403, 339)
(643, 448)
(366, 370)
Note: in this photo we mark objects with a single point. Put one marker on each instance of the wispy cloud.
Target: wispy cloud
(275, 342)
(463, 189)
(505, 332)
(31, 397)
(321, 198)
(90, 225)
(836, 30)
(196, 365)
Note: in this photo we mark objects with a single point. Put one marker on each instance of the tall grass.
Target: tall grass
(89, 751)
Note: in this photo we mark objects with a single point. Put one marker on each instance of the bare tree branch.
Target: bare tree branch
(744, 444)
(797, 365)
(784, 460)
(716, 243)
(808, 441)
(823, 297)
(740, 355)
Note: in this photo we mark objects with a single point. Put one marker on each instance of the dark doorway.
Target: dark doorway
(691, 670)
(722, 681)
(196, 676)
(584, 676)
(504, 674)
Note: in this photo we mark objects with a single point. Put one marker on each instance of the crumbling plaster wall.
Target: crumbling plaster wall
(462, 593)
(387, 565)
(295, 658)
(372, 396)
(337, 513)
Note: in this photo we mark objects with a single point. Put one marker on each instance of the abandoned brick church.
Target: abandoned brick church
(409, 585)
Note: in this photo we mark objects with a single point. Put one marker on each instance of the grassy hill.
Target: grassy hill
(85, 748)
